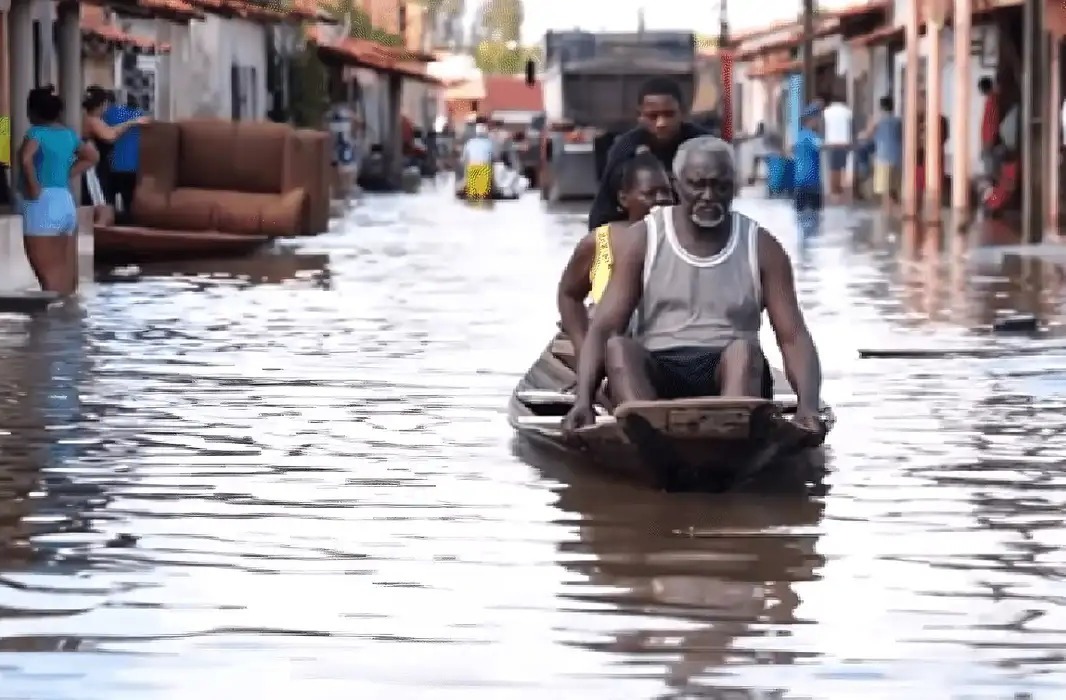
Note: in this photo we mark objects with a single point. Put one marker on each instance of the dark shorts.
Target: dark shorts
(683, 373)
(838, 158)
(808, 199)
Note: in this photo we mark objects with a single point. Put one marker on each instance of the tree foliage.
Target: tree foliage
(501, 20)
(308, 80)
(497, 58)
(360, 26)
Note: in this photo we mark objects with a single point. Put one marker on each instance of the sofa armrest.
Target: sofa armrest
(313, 154)
(160, 146)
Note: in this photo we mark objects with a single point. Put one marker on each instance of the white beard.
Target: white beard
(712, 218)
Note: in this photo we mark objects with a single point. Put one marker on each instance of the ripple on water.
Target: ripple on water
(326, 496)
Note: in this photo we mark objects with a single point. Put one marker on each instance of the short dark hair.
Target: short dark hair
(49, 108)
(625, 177)
(659, 86)
(887, 103)
(985, 84)
(95, 97)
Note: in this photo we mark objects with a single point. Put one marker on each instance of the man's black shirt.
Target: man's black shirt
(605, 207)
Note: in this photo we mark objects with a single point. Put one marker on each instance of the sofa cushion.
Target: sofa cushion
(239, 212)
(263, 156)
(150, 203)
(283, 214)
(207, 155)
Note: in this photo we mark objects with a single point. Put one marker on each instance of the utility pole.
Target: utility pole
(1033, 109)
(723, 25)
(725, 67)
(808, 52)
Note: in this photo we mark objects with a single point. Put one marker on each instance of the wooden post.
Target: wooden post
(910, 115)
(960, 116)
(1033, 108)
(20, 34)
(934, 150)
(1054, 135)
(808, 53)
(394, 147)
(936, 12)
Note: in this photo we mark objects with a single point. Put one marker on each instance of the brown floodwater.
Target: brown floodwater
(295, 476)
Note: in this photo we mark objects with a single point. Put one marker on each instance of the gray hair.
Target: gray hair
(708, 145)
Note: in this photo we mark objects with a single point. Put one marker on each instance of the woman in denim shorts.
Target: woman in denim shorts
(50, 156)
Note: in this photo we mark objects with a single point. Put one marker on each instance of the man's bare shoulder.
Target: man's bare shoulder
(773, 259)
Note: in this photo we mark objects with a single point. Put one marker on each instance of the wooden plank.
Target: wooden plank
(539, 398)
(554, 421)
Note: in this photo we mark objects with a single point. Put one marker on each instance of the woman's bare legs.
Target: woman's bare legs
(48, 260)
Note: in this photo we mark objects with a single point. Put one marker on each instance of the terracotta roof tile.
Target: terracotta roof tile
(94, 24)
(505, 92)
(370, 54)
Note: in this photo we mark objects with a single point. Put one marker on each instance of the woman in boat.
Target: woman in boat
(642, 183)
(51, 155)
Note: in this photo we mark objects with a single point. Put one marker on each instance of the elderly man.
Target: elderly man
(698, 276)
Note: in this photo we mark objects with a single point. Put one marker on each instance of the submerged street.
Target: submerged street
(302, 480)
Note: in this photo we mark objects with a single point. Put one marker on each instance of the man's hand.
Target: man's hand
(582, 414)
(33, 191)
(811, 423)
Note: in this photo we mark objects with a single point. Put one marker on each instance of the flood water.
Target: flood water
(301, 481)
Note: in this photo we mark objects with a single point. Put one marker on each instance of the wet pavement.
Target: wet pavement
(320, 494)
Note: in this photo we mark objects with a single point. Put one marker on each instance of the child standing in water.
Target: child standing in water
(50, 156)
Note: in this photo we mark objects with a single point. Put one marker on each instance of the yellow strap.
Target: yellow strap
(603, 249)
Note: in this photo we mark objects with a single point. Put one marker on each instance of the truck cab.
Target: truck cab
(590, 83)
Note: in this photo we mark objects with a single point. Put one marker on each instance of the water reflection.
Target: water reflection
(695, 584)
(323, 485)
(271, 267)
(46, 513)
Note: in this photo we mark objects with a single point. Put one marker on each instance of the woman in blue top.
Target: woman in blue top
(51, 155)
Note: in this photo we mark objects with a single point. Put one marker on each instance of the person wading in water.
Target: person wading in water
(642, 184)
(660, 127)
(698, 277)
(50, 156)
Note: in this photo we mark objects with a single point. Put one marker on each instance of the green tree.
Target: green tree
(501, 20)
(498, 58)
(359, 24)
(308, 78)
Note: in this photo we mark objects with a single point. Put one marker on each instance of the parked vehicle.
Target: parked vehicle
(591, 82)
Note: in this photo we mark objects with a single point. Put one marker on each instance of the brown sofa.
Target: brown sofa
(245, 178)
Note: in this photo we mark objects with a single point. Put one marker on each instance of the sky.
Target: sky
(621, 15)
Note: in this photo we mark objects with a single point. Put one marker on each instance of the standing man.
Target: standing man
(838, 137)
(661, 127)
(807, 152)
(887, 134)
(477, 163)
(125, 155)
(990, 119)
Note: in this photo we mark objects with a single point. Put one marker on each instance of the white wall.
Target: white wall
(375, 92)
(199, 66)
(413, 103)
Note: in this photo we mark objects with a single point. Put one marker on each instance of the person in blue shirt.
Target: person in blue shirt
(125, 155)
(807, 153)
(887, 135)
(51, 155)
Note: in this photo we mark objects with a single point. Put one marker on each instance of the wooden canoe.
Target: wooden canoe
(706, 444)
(133, 244)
